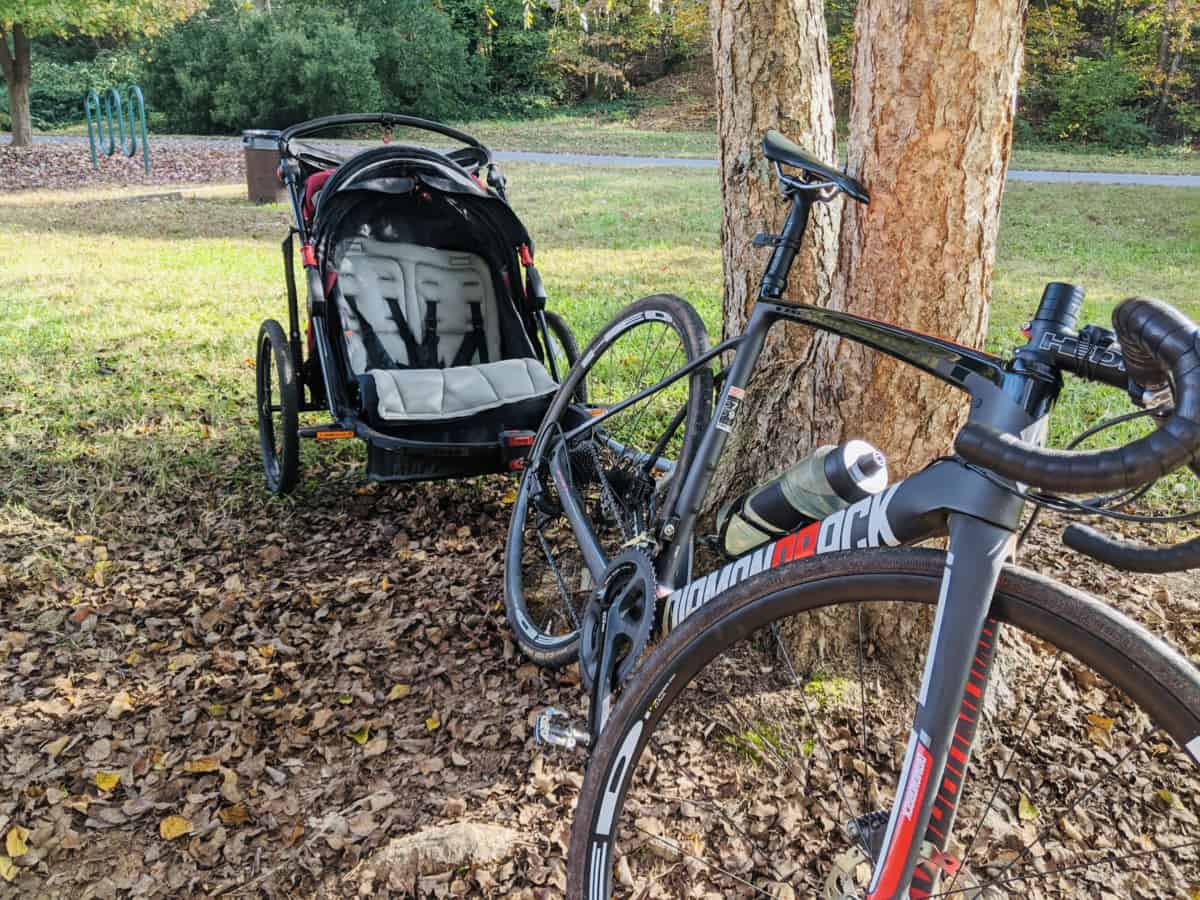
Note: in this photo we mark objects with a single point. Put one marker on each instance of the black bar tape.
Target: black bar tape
(1132, 557)
(1152, 331)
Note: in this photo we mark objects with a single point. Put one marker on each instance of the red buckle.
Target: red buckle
(516, 465)
(525, 254)
(519, 440)
(308, 256)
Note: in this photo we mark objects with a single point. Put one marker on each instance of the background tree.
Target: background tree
(23, 20)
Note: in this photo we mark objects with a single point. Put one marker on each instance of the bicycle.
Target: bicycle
(723, 694)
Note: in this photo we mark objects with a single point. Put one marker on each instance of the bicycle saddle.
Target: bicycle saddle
(779, 149)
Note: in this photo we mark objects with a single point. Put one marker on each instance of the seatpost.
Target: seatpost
(774, 280)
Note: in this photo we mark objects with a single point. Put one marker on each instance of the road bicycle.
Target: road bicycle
(768, 745)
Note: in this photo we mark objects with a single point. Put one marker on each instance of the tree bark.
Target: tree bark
(15, 64)
(930, 133)
(772, 69)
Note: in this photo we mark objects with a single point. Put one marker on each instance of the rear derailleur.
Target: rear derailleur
(616, 628)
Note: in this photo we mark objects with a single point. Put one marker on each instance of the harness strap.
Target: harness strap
(377, 355)
(429, 345)
(475, 341)
(411, 346)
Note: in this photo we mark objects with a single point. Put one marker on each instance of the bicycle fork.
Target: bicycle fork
(949, 705)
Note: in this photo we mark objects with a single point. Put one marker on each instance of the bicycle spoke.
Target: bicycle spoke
(675, 847)
(712, 802)
(1037, 703)
(1109, 860)
(845, 808)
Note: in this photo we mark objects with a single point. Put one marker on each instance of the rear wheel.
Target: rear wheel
(626, 471)
(770, 720)
(278, 397)
(565, 351)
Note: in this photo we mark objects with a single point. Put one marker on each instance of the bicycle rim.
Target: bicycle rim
(625, 471)
(757, 733)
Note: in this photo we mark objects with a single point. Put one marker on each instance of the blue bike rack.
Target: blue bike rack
(130, 110)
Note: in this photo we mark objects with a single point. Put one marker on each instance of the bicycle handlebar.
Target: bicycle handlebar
(1161, 347)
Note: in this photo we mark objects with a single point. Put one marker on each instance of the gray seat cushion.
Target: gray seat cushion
(377, 278)
(411, 276)
(438, 394)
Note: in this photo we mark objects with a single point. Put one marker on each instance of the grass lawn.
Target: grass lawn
(617, 136)
(128, 328)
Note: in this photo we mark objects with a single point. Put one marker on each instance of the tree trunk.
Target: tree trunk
(15, 64)
(930, 133)
(772, 69)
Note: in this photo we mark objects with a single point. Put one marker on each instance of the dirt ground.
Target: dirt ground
(250, 699)
(219, 694)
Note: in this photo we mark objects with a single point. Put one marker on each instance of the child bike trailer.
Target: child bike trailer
(428, 335)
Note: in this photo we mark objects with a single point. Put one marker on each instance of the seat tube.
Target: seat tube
(952, 687)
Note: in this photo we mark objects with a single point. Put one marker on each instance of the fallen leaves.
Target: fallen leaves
(234, 815)
(173, 827)
(106, 781)
(399, 691)
(14, 841)
(121, 703)
(202, 764)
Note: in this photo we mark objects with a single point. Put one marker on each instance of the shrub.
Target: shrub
(254, 70)
(57, 89)
(1121, 129)
(1089, 94)
(258, 70)
(424, 66)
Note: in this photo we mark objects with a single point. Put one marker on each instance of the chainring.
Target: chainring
(628, 593)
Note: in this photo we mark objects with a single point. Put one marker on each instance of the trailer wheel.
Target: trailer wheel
(278, 396)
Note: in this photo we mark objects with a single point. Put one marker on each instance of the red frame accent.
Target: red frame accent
(308, 256)
(902, 840)
(526, 255)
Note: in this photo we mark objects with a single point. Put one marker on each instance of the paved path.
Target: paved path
(588, 159)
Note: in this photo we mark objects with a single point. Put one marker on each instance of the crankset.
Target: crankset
(615, 630)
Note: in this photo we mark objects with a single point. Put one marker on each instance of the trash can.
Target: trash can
(262, 167)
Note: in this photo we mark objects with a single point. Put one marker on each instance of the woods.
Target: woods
(1105, 72)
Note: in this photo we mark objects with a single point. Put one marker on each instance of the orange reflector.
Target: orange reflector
(334, 435)
(596, 412)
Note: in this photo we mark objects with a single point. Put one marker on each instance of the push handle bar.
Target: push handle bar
(391, 120)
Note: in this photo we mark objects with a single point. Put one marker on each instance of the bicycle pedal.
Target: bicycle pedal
(553, 728)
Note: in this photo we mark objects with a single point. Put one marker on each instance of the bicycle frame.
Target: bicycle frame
(979, 512)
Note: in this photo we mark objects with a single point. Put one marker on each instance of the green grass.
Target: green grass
(127, 329)
(613, 134)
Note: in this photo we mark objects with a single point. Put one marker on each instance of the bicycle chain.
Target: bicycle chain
(607, 498)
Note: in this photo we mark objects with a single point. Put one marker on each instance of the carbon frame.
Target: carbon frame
(948, 498)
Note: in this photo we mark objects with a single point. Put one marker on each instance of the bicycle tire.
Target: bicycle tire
(557, 650)
(561, 332)
(1160, 681)
(281, 464)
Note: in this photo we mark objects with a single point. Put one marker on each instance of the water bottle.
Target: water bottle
(829, 479)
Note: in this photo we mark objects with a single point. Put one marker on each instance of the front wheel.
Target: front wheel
(278, 398)
(777, 715)
(626, 471)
